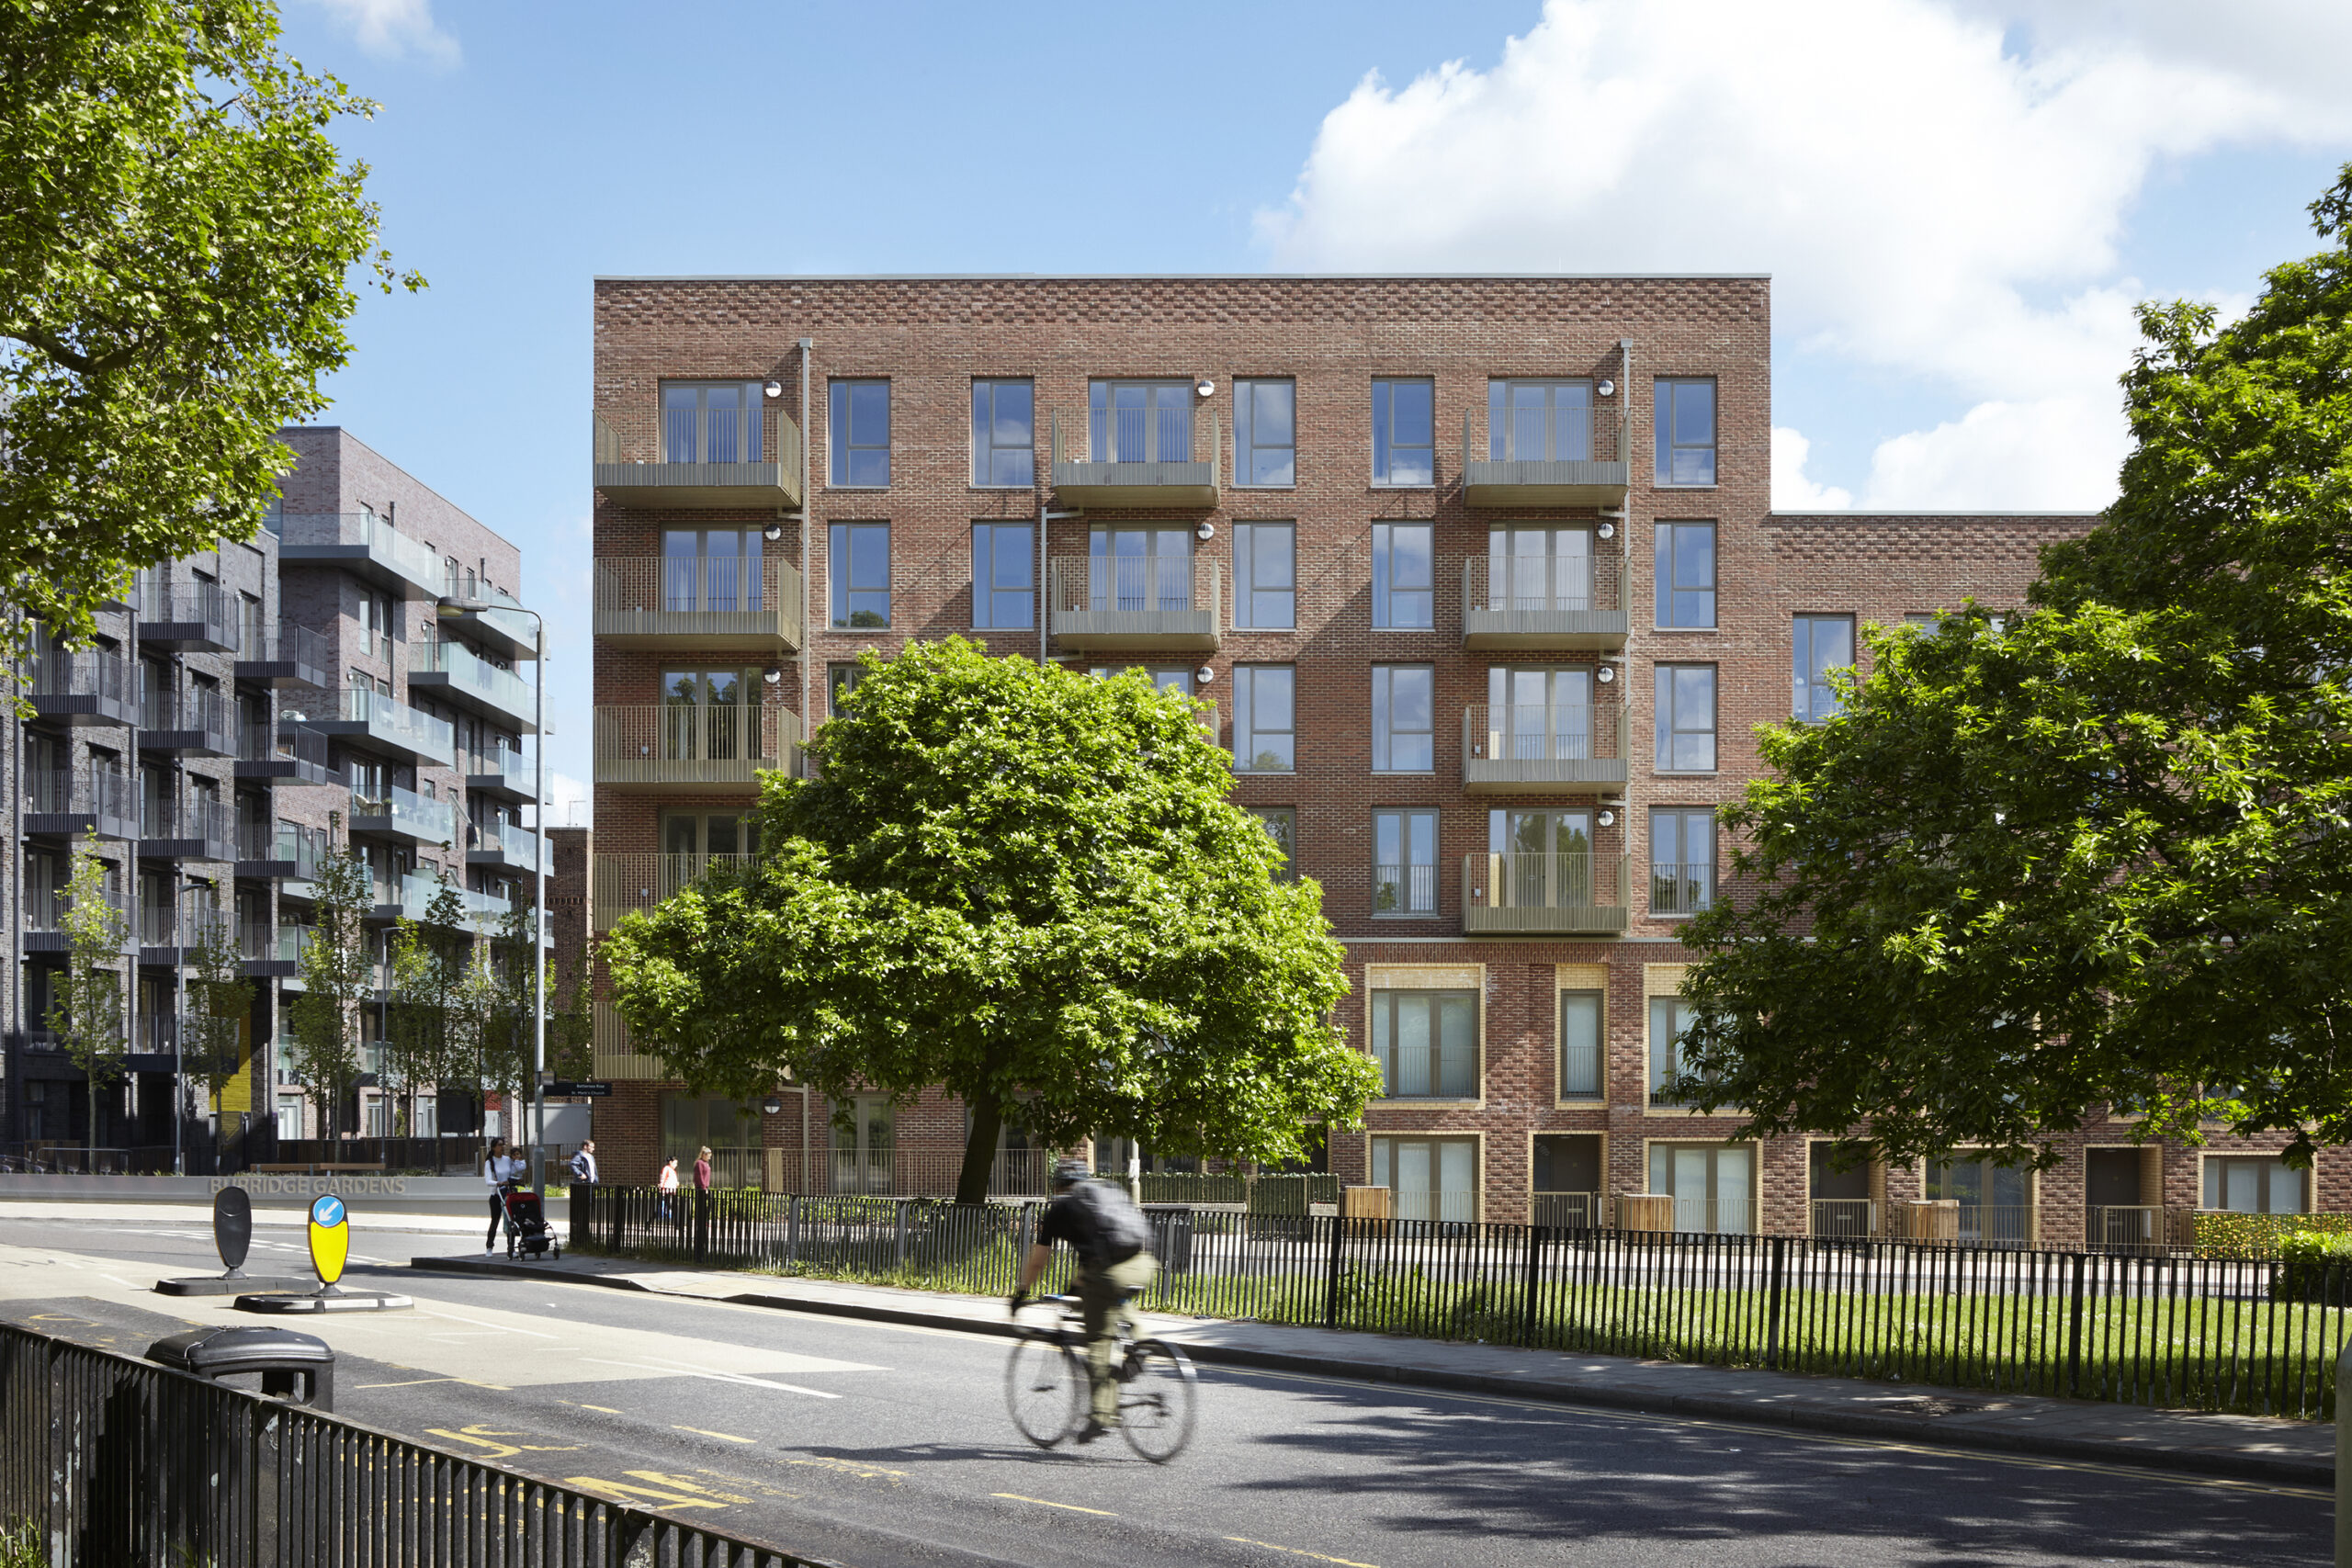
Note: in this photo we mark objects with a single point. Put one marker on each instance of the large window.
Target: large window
(709, 715)
(1713, 1187)
(1539, 714)
(1539, 422)
(1403, 432)
(1429, 1178)
(1822, 643)
(1265, 433)
(1403, 709)
(710, 569)
(2254, 1186)
(1540, 570)
(860, 576)
(861, 429)
(841, 680)
(1265, 575)
(1669, 1017)
(696, 834)
(1264, 718)
(1404, 862)
(731, 1131)
(1686, 718)
(1147, 570)
(1002, 571)
(1996, 1201)
(1426, 1043)
(1140, 421)
(1685, 415)
(1686, 575)
(1539, 858)
(1004, 434)
(1281, 823)
(1682, 860)
(711, 421)
(1580, 1038)
(1404, 576)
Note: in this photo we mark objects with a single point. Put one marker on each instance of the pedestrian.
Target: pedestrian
(667, 1186)
(583, 1186)
(702, 1201)
(702, 1172)
(496, 1171)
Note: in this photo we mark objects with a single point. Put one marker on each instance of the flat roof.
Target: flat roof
(1861, 516)
(1170, 277)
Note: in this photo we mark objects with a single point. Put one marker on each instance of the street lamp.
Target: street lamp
(456, 606)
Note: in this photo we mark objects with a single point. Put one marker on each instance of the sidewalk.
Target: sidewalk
(192, 1216)
(2300, 1453)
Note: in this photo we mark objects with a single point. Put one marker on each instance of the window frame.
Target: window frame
(1716, 1149)
(1246, 444)
(1385, 445)
(1669, 586)
(1101, 406)
(1803, 630)
(1028, 589)
(1383, 720)
(1666, 725)
(1246, 702)
(842, 590)
(1286, 839)
(1250, 540)
(1683, 816)
(1408, 838)
(985, 448)
(747, 433)
(840, 448)
(1381, 1006)
(1380, 1157)
(1671, 444)
(1502, 427)
(2213, 1180)
(1385, 590)
(1599, 1092)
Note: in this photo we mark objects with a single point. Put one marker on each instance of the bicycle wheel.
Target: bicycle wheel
(1156, 1384)
(1045, 1387)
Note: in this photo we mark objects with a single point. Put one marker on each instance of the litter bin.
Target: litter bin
(282, 1357)
(1172, 1237)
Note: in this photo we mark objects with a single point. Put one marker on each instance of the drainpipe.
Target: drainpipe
(807, 425)
(17, 1021)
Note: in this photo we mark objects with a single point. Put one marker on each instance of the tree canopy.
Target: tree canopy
(1026, 886)
(2096, 855)
(177, 238)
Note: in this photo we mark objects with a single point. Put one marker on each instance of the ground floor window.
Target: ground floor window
(864, 1145)
(289, 1115)
(2254, 1186)
(1996, 1199)
(1712, 1185)
(731, 1131)
(1431, 1179)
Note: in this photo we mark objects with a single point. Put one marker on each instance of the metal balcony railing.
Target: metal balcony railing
(208, 823)
(1688, 1216)
(500, 767)
(292, 653)
(647, 465)
(714, 602)
(405, 814)
(1505, 470)
(2139, 1227)
(191, 615)
(48, 790)
(1171, 604)
(693, 746)
(1544, 603)
(626, 884)
(466, 674)
(1850, 1219)
(1564, 891)
(1404, 889)
(93, 685)
(1963, 1223)
(198, 718)
(1681, 888)
(1543, 749)
(380, 718)
(360, 537)
(506, 843)
(1165, 456)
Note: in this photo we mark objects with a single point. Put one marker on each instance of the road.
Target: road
(882, 1446)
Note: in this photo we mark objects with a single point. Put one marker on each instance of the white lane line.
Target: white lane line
(680, 1368)
(478, 1323)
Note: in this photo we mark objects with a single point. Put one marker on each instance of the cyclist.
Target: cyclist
(1112, 1241)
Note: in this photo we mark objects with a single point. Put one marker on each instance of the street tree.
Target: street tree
(2096, 854)
(1025, 886)
(85, 1010)
(338, 971)
(214, 1038)
(178, 242)
(423, 1025)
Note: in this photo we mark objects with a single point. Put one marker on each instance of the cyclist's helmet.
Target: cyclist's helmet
(1069, 1173)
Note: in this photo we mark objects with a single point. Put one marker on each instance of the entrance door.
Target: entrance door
(710, 569)
(2111, 1192)
(1141, 421)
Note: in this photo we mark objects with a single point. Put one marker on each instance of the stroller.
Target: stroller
(528, 1234)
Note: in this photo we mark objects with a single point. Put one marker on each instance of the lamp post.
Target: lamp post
(454, 606)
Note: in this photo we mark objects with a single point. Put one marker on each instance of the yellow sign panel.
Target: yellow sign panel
(237, 1093)
(329, 1238)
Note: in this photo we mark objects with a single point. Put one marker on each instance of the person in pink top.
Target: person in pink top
(667, 1185)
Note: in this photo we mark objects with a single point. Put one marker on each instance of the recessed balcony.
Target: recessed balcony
(281, 751)
(1137, 603)
(1564, 894)
(1543, 604)
(1494, 476)
(366, 718)
(716, 604)
(1543, 750)
(647, 469)
(193, 723)
(279, 852)
(694, 749)
(64, 805)
(365, 546)
(1136, 458)
(187, 829)
(194, 618)
(288, 656)
(91, 688)
(625, 885)
(455, 673)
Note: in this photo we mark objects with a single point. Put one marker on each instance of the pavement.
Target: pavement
(2248, 1447)
(471, 1222)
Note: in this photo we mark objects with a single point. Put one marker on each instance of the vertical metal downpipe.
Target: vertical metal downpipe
(808, 485)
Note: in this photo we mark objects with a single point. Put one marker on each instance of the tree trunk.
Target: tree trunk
(979, 1154)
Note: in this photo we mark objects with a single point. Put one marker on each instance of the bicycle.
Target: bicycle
(1047, 1389)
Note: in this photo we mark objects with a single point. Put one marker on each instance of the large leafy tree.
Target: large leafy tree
(178, 237)
(2098, 854)
(1029, 887)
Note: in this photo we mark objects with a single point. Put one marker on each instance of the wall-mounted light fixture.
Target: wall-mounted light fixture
(1607, 530)
(1205, 388)
(1606, 387)
(1206, 532)
(1608, 820)
(1605, 674)
(772, 675)
(1204, 674)
(776, 389)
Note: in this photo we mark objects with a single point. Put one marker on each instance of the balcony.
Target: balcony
(270, 952)
(1564, 894)
(1137, 603)
(195, 618)
(627, 479)
(288, 656)
(279, 852)
(186, 830)
(91, 688)
(1135, 458)
(716, 605)
(284, 752)
(59, 803)
(1543, 604)
(193, 723)
(483, 914)
(1538, 749)
(505, 847)
(500, 771)
(686, 748)
(626, 884)
(509, 630)
(365, 546)
(453, 671)
(1506, 482)
(404, 816)
(364, 716)
(45, 918)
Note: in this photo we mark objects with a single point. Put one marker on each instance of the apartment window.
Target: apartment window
(1281, 823)
(1682, 860)
(1426, 1043)
(1685, 418)
(860, 428)
(1004, 434)
(1686, 718)
(1429, 1178)
(1404, 869)
(2254, 1186)
(1539, 422)
(711, 421)
(1712, 1185)
(717, 833)
(1403, 432)
(1265, 433)
(1147, 570)
(1140, 421)
(1403, 706)
(709, 715)
(1001, 577)
(45, 891)
(1179, 681)
(1404, 576)
(860, 576)
(1996, 1199)
(711, 570)
(1539, 859)
(841, 680)
(1265, 575)
(1670, 1016)
(1686, 574)
(1821, 643)
(1580, 1037)
(1540, 570)
(1543, 716)
(1264, 718)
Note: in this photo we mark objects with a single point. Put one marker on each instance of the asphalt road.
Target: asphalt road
(889, 1447)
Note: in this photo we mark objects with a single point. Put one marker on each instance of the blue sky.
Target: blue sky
(1958, 200)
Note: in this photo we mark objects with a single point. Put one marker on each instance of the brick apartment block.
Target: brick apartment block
(1410, 434)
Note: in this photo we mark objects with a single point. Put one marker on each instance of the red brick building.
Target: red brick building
(1482, 574)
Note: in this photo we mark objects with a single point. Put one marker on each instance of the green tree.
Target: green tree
(1026, 886)
(213, 1036)
(424, 1030)
(2098, 854)
(338, 971)
(86, 1013)
(178, 240)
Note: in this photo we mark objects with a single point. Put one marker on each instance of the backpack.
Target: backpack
(1119, 1225)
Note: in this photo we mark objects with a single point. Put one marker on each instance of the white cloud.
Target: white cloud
(393, 28)
(1792, 491)
(2055, 454)
(1929, 202)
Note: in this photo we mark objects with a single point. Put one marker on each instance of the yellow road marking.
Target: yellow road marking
(481, 1436)
(414, 1383)
(1270, 1546)
(849, 1467)
(704, 1432)
(605, 1408)
(590, 1484)
(681, 1483)
(1073, 1507)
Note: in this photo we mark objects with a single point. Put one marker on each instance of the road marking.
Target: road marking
(493, 1328)
(1294, 1551)
(590, 1484)
(848, 1467)
(1073, 1507)
(414, 1383)
(680, 1483)
(680, 1368)
(605, 1408)
(480, 1436)
(723, 1437)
